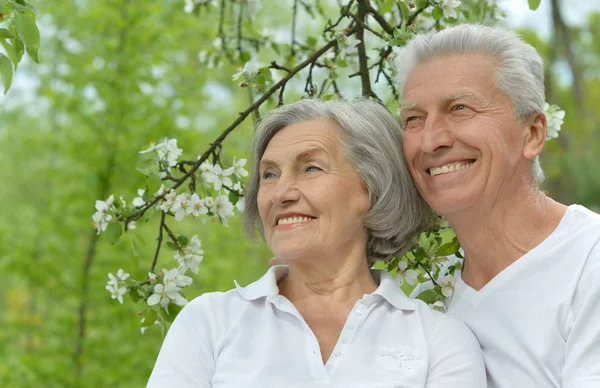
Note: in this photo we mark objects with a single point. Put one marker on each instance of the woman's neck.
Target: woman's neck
(334, 280)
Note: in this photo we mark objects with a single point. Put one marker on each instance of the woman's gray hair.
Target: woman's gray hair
(371, 140)
(519, 68)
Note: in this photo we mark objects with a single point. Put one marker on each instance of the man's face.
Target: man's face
(462, 142)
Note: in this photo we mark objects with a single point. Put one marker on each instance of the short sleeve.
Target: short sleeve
(456, 359)
(186, 357)
(582, 352)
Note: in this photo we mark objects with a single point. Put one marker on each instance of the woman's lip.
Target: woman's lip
(294, 225)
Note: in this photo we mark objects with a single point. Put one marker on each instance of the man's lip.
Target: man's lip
(291, 214)
(448, 163)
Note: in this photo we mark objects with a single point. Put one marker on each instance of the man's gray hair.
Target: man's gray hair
(371, 140)
(519, 68)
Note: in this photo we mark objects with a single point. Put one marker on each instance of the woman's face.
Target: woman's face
(311, 200)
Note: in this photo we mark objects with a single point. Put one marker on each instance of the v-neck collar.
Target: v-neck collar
(475, 297)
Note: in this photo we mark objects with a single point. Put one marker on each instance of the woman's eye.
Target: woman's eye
(312, 169)
(459, 107)
(267, 174)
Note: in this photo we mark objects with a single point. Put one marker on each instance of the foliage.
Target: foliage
(18, 33)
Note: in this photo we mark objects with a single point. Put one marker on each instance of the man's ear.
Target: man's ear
(535, 136)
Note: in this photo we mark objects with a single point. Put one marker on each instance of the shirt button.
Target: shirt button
(329, 366)
(338, 354)
(345, 341)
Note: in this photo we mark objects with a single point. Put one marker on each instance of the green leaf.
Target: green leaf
(150, 318)
(449, 248)
(4, 33)
(29, 33)
(245, 56)
(437, 13)
(339, 62)
(428, 296)
(422, 3)
(183, 240)
(133, 294)
(404, 9)
(6, 71)
(10, 50)
(386, 6)
(19, 49)
(146, 166)
(113, 232)
(153, 182)
(172, 245)
(266, 73)
(233, 197)
(534, 4)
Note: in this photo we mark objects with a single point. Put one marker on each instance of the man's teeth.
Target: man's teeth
(293, 220)
(448, 168)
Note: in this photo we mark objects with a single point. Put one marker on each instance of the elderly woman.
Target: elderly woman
(330, 194)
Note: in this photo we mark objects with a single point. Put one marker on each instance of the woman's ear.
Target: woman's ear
(535, 136)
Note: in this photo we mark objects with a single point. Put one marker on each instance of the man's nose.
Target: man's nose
(436, 135)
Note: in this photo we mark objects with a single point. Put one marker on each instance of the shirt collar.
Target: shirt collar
(390, 291)
(267, 286)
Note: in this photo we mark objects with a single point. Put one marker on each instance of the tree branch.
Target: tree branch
(362, 55)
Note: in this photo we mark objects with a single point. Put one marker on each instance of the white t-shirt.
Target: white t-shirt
(253, 337)
(538, 321)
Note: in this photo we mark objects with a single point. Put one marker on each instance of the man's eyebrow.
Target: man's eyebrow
(457, 96)
(445, 101)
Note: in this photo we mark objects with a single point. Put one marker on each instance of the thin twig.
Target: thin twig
(343, 14)
(294, 16)
(159, 239)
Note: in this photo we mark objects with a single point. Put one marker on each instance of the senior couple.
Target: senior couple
(331, 192)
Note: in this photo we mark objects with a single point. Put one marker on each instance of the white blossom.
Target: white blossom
(169, 290)
(250, 69)
(554, 119)
(439, 306)
(167, 201)
(346, 45)
(449, 8)
(116, 285)
(116, 292)
(219, 177)
(131, 225)
(238, 167)
(223, 208)
(189, 6)
(102, 216)
(151, 276)
(197, 206)
(181, 205)
(447, 284)
(139, 201)
(166, 151)
(240, 205)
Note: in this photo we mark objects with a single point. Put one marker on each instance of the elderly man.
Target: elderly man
(472, 99)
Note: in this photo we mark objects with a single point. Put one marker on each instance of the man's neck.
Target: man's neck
(494, 238)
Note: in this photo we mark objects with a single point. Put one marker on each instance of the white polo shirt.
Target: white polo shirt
(253, 337)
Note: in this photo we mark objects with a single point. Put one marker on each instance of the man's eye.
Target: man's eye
(460, 107)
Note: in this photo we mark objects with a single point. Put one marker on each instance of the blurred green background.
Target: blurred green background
(117, 74)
